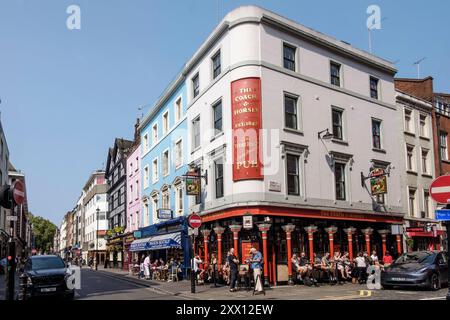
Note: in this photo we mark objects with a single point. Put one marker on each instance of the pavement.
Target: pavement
(110, 284)
(182, 290)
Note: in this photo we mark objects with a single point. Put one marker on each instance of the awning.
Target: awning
(165, 241)
(424, 234)
(139, 245)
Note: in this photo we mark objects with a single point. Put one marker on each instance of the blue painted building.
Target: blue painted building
(165, 205)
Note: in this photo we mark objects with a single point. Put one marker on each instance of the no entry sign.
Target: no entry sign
(18, 192)
(195, 221)
(440, 189)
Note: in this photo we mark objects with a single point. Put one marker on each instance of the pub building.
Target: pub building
(314, 160)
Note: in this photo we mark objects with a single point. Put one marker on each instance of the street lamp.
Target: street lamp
(325, 135)
(96, 241)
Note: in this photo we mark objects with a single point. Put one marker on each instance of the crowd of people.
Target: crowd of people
(338, 268)
(158, 269)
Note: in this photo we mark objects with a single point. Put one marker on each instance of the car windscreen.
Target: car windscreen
(45, 263)
(416, 257)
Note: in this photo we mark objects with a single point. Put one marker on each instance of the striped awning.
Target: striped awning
(159, 242)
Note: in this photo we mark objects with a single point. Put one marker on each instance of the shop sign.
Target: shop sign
(246, 115)
(164, 214)
(378, 183)
(274, 186)
(443, 215)
(193, 184)
(137, 234)
(415, 229)
(247, 222)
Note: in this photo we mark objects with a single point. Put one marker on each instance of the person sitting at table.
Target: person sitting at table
(327, 266)
(387, 259)
(346, 265)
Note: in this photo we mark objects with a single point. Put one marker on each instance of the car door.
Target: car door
(442, 261)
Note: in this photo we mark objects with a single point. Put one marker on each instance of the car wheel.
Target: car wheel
(434, 282)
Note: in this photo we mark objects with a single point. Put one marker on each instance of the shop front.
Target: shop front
(165, 240)
(128, 255)
(425, 237)
(114, 252)
(280, 232)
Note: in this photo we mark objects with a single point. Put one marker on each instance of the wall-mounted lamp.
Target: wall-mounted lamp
(325, 135)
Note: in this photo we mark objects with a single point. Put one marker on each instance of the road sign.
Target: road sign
(443, 215)
(18, 191)
(440, 189)
(11, 218)
(194, 221)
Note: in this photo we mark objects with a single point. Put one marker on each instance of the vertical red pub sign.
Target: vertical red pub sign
(246, 121)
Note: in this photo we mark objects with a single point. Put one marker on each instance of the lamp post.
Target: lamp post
(96, 241)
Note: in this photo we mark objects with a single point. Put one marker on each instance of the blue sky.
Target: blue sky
(67, 94)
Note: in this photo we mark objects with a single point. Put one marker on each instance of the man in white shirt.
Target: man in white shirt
(374, 257)
(147, 267)
(197, 269)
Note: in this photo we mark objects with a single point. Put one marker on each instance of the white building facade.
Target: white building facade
(327, 116)
(95, 223)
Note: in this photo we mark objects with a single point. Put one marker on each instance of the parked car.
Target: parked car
(421, 269)
(47, 275)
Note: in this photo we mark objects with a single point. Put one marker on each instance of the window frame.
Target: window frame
(443, 147)
(380, 133)
(195, 82)
(410, 113)
(339, 75)
(180, 164)
(163, 159)
(341, 113)
(165, 123)
(155, 134)
(178, 109)
(155, 177)
(296, 99)
(376, 90)
(287, 60)
(146, 178)
(213, 107)
(344, 182)
(194, 122)
(218, 178)
(297, 175)
(218, 54)
(413, 167)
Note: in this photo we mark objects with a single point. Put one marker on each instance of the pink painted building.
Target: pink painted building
(134, 190)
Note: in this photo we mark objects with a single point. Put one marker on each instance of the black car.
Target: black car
(422, 269)
(47, 275)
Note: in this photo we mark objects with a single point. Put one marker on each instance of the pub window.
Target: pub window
(335, 71)
(196, 85)
(289, 57)
(337, 115)
(374, 87)
(376, 133)
(217, 113)
(216, 64)
(219, 179)
(339, 177)
(291, 111)
(293, 177)
(196, 133)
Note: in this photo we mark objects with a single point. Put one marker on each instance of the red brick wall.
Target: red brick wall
(421, 88)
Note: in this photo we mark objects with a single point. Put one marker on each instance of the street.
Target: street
(103, 285)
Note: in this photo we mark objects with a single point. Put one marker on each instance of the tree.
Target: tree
(44, 231)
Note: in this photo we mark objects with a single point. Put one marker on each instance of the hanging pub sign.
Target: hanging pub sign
(247, 222)
(378, 181)
(164, 214)
(246, 125)
(193, 183)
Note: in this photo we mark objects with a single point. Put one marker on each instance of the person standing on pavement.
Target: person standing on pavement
(233, 263)
(147, 267)
(374, 257)
(257, 267)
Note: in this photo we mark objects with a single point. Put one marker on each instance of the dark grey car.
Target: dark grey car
(47, 276)
(421, 269)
